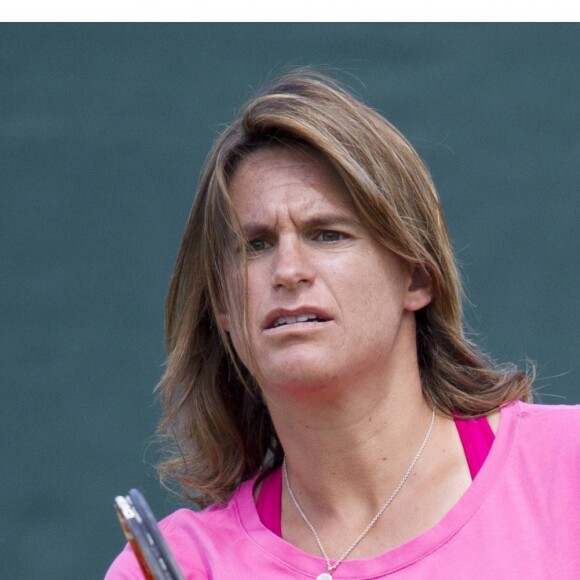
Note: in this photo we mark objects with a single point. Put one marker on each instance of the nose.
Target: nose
(292, 265)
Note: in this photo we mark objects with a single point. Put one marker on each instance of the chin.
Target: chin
(300, 377)
(303, 390)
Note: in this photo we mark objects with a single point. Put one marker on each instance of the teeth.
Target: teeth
(293, 319)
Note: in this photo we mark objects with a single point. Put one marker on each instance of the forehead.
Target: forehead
(282, 177)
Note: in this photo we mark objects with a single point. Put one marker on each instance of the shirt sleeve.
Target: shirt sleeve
(125, 567)
(176, 528)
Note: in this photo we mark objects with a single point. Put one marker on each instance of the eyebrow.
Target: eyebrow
(256, 229)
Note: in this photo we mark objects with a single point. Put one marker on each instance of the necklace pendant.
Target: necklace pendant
(324, 576)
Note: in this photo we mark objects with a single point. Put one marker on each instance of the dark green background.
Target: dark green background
(102, 135)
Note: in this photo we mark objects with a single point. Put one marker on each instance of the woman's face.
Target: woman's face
(326, 302)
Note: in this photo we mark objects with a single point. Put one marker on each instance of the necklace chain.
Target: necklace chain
(333, 567)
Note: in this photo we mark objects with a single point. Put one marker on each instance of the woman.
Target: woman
(324, 404)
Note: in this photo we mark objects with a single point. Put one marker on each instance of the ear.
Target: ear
(224, 320)
(223, 317)
(420, 289)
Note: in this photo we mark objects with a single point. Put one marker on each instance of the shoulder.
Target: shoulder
(190, 535)
(548, 432)
(546, 417)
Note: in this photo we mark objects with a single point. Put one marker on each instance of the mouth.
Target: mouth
(285, 320)
(280, 319)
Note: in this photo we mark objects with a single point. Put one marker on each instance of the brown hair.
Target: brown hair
(214, 416)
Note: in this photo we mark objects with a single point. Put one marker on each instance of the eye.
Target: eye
(330, 236)
(257, 245)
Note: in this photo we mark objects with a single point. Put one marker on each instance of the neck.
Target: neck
(355, 447)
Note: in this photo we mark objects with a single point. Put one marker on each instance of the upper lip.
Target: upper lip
(274, 315)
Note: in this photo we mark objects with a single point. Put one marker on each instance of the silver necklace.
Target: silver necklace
(332, 567)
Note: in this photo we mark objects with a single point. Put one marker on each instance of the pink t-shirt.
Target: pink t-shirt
(476, 437)
(518, 519)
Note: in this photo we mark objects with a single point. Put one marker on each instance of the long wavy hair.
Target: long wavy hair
(216, 428)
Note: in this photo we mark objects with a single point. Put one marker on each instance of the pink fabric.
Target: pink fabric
(476, 437)
(518, 519)
(269, 502)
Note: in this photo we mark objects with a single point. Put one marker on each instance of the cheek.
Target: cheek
(378, 297)
(258, 293)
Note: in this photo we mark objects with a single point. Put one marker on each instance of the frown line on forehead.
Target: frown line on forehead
(325, 220)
